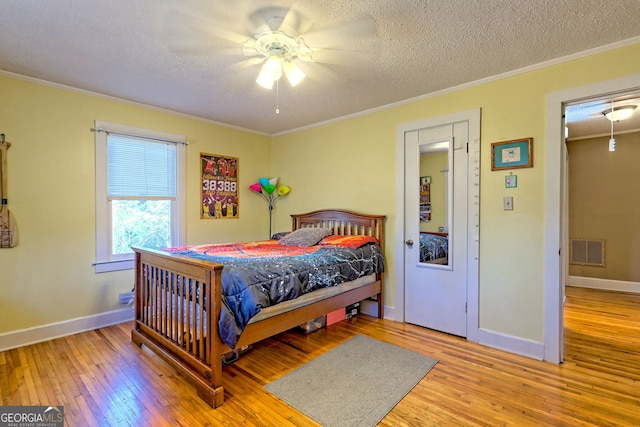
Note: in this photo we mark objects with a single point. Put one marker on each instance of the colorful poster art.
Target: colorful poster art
(219, 187)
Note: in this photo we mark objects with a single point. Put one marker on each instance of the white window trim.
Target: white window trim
(104, 262)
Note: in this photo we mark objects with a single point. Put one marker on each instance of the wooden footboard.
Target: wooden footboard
(178, 303)
(176, 299)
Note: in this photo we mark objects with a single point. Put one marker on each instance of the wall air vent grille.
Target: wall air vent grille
(587, 252)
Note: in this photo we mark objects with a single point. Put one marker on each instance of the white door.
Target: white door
(436, 202)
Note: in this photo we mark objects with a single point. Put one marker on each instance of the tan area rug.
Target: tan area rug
(354, 384)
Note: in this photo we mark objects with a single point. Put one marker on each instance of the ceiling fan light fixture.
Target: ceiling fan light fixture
(619, 113)
(280, 49)
(264, 81)
(270, 72)
(293, 73)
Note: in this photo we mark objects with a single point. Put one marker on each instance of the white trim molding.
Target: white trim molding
(21, 338)
(604, 284)
(370, 307)
(553, 198)
(517, 345)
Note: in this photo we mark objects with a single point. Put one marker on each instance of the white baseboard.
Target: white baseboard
(511, 344)
(370, 307)
(15, 339)
(604, 284)
(524, 347)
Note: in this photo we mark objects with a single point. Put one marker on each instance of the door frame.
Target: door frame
(555, 195)
(473, 117)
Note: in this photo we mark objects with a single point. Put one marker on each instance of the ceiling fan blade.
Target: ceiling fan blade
(325, 75)
(255, 60)
(287, 20)
(339, 56)
(295, 21)
(195, 33)
(304, 51)
(346, 44)
(249, 48)
(246, 63)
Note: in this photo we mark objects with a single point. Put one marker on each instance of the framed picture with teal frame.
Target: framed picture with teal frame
(513, 154)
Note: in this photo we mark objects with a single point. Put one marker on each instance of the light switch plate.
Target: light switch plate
(508, 203)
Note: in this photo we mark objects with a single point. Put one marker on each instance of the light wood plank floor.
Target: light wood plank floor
(102, 379)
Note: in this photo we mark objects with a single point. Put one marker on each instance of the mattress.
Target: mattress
(257, 275)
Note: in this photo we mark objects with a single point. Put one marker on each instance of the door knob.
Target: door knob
(409, 242)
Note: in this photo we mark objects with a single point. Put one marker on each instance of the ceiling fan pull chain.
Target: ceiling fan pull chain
(277, 97)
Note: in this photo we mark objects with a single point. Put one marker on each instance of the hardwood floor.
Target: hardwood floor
(103, 379)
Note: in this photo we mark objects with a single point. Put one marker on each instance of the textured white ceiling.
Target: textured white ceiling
(186, 56)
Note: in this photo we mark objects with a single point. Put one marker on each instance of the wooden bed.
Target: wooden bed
(161, 279)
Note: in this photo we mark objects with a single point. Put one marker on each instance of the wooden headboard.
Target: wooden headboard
(343, 223)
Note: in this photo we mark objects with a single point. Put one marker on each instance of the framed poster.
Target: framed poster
(425, 198)
(219, 187)
(514, 154)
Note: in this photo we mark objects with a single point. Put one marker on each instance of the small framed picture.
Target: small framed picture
(513, 154)
(511, 181)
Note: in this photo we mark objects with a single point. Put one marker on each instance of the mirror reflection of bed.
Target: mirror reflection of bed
(434, 247)
(434, 202)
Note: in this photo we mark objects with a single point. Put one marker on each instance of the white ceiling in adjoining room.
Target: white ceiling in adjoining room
(586, 119)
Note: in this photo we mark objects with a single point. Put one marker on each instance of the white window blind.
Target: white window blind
(141, 168)
(140, 192)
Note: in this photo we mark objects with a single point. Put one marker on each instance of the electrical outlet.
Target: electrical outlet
(125, 297)
(508, 203)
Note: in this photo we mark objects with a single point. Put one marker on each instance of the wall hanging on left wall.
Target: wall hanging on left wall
(8, 229)
(219, 187)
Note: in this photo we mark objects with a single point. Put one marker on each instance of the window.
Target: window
(140, 192)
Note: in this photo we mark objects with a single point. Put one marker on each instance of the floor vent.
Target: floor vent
(587, 252)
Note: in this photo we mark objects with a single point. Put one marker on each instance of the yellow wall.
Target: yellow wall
(604, 203)
(350, 164)
(49, 276)
(347, 164)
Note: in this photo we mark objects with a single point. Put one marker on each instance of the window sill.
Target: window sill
(107, 266)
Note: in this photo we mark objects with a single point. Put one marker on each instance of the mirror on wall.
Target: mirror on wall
(435, 202)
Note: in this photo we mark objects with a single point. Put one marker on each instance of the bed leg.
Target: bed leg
(380, 307)
(207, 385)
(213, 396)
(135, 339)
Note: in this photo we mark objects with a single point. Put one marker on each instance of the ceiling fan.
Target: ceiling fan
(278, 46)
(271, 38)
